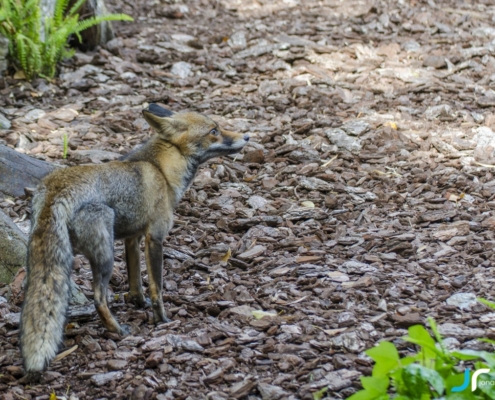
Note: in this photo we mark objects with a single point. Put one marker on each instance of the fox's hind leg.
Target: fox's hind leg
(154, 265)
(132, 256)
(92, 229)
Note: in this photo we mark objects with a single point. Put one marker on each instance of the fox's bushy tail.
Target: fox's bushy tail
(46, 295)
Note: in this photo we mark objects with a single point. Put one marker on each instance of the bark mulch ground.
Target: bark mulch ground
(362, 205)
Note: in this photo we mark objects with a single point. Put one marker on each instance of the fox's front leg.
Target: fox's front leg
(154, 264)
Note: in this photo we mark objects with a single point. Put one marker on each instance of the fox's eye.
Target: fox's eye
(214, 132)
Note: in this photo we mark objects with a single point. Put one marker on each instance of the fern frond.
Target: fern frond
(58, 14)
(20, 22)
(21, 48)
(75, 8)
(88, 23)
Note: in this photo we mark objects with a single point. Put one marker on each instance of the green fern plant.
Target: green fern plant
(20, 22)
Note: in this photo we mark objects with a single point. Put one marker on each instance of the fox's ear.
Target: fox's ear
(162, 120)
(159, 110)
(156, 116)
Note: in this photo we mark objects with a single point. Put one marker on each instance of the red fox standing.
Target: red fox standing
(86, 208)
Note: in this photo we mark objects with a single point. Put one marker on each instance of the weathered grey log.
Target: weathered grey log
(4, 51)
(98, 34)
(92, 37)
(13, 248)
(18, 171)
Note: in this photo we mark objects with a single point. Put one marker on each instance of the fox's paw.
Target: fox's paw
(139, 300)
(160, 317)
(31, 377)
(125, 330)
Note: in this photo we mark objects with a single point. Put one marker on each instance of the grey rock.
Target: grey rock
(33, 115)
(191, 345)
(346, 319)
(269, 87)
(411, 45)
(464, 301)
(486, 101)
(356, 127)
(77, 297)
(356, 267)
(237, 41)
(485, 145)
(305, 155)
(443, 112)
(253, 252)
(257, 202)
(460, 331)
(435, 62)
(116, 365)
(182, 69)
(12, 319)
(315, 184)
(341, 139)
(349, 341)
(271, 392)
(478, 118)
(4, 122)
(451, 343)
(70, 78)
(103, 379)
(115, 45)
(484, 31)
(257, 50)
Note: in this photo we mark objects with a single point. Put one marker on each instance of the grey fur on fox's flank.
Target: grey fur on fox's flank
(85, 208)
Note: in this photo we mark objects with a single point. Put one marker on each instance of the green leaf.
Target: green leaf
(377, 385)
(468, 354)
(407, 360)
(429, 375)
(318, 395)
(366, 395)
(414, 384)
(486, 302)
(486, 384)
(386, 358)
(485, 340)
(420, 336)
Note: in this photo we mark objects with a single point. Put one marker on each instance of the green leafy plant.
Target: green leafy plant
(431, 373)
(35, 53)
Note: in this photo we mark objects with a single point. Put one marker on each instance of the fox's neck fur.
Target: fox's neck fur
(177, 168)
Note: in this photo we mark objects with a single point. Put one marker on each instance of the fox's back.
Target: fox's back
(131, 189)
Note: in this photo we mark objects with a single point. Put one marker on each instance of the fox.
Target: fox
(84, 209)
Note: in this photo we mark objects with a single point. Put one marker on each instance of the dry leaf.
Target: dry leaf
(258, 314)
(392, 124)
(333, 332)
(20, 75)
(308, 204)
(65, 353)
(226, 256)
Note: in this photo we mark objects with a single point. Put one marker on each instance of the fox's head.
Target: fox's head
(194, 134)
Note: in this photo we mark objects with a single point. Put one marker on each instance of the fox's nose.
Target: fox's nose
(246, 138)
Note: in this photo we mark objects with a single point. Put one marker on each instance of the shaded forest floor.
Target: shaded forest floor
(362, 205)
